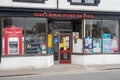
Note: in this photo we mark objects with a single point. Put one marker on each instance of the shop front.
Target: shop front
(65, 37)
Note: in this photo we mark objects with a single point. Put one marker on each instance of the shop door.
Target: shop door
(56, 48)
(65, 48)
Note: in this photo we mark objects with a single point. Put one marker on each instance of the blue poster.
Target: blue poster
(106, 43)
(55, 40)
(88, 43)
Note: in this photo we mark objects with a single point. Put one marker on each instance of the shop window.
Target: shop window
(92, 38)
(101, 36)
(31, 1)
(35, 37)
(13, 40)
(110, 36)
(77, 37)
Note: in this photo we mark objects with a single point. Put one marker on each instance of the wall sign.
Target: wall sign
(62, 15)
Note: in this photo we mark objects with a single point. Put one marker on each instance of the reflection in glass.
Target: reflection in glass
(110, 36)
(90, 1)
(35, 40)
(93, 36)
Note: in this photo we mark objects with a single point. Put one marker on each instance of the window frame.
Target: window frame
(29, 1)
(96, 2)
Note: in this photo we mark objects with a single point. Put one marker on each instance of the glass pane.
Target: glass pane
(62, 25)
(77, 37)
(12, 41)
(13, 21)
(110, 36)
(64, 42)
(92, 39)
(90, 1)
(35, 40)
(65, 56)
(76, 1)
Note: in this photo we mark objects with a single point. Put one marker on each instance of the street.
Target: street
(101, 75)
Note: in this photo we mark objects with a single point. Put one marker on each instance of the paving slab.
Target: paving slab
(57, 69)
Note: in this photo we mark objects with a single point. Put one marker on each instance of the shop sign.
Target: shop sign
(62, 15)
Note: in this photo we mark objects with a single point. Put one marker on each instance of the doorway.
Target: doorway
(62, 41)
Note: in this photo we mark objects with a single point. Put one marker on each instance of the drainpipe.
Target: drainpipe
(57, 4)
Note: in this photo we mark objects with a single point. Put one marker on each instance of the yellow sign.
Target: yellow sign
(49, 40)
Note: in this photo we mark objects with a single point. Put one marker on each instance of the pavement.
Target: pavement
(58, 69)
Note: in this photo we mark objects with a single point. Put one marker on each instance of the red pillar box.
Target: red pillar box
(12, 40)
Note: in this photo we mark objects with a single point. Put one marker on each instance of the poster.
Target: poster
(114, 45)
(49, 40)
(106, 43)
(97, 45)
(75, 36)
(88, 43)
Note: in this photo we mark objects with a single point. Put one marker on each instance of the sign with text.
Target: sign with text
(12, 40)
(62, 15)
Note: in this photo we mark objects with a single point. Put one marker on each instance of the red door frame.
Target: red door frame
(65, 51)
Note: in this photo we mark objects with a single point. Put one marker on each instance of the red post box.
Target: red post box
(12, 40)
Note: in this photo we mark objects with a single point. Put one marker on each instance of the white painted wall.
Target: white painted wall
(96, 59)
(77, 59)
(105, 5)
(33, 62)
(50, 4)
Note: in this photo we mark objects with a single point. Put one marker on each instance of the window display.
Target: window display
(92, 43)
(104, 34)
(32, 43)
(110, 36)
(35, 38)
(33, 35)
(77, 40)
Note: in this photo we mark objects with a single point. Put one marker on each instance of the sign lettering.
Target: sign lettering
(62, 15)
